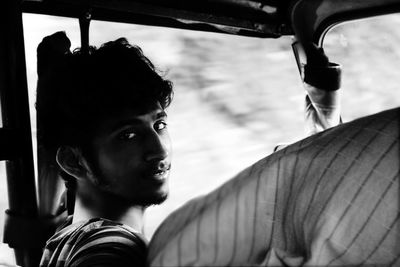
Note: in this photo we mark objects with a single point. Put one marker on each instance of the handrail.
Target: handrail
(264, 21)
(313, 18)
(15, 114)
(10, 144)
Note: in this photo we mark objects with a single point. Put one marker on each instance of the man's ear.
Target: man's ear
(71, 160)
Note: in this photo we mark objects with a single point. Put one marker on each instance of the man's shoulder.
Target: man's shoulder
(94, 240)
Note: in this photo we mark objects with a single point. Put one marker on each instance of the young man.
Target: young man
(105, 120)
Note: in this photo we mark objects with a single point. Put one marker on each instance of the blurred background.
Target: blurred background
(236, 98)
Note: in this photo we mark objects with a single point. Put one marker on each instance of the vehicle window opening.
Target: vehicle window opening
(368, 52)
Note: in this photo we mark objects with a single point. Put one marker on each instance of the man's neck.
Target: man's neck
(132, 216)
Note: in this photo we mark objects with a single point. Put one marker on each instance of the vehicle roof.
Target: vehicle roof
(259, 18)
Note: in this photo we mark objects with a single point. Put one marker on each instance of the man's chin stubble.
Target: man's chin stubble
(156, 200)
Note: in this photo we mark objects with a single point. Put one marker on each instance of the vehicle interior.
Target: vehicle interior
(29, 202)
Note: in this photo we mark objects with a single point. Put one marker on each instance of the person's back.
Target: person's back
(330, 199)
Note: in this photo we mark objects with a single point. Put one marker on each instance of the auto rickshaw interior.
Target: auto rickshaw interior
(233, 70)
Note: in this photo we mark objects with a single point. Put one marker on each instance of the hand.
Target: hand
(51, 49)
(319, 72)
(316, 55)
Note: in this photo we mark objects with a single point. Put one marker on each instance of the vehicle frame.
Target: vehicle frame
(27, 229)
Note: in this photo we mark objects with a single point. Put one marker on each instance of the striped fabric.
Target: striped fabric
(97, 242)
(331, 199)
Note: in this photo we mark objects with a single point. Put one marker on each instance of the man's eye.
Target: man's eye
(161, 125)
(127, 135)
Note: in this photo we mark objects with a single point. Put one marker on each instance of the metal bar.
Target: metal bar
(84, 24)
(295, 47)
(15, 114)
(146, 9)
(313, 18)
(139, 13)
(10, 144)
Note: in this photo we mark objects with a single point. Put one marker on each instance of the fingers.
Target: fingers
(51, 49)
(319, 72)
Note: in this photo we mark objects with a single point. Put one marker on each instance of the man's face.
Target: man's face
(132, 156)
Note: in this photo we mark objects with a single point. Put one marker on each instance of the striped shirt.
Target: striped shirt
(330, 199)
(97, 242)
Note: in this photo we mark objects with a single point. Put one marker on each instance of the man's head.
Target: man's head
(104, 115)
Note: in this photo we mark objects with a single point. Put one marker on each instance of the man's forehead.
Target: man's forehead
(128, 115)
(131, 114)
(137, 110)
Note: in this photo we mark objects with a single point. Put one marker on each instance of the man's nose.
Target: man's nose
(157, 147)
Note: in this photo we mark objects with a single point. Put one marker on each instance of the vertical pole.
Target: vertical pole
(15, 114)
(84, 23)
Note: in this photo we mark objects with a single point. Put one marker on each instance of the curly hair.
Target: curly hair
(79, 89)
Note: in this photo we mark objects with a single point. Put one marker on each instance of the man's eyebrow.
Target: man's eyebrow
(161, 114)
(135, 121)
(123, 123)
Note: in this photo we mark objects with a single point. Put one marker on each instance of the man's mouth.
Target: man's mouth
(160, 174)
